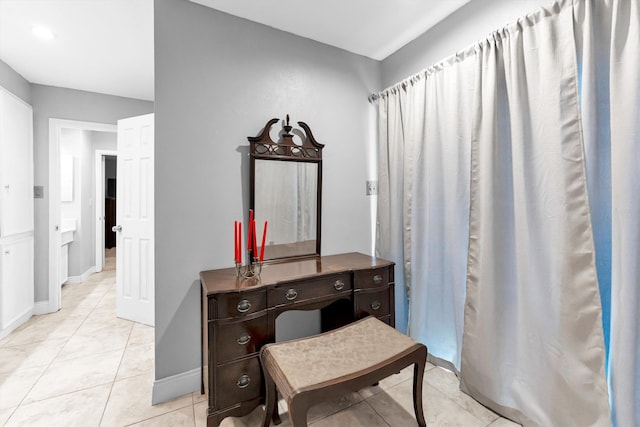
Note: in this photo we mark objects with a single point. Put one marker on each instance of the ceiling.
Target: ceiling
(106, 46)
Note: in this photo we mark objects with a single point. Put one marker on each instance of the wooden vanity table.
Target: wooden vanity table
(238, 317)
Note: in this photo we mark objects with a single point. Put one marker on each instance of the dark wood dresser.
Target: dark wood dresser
(238, 317)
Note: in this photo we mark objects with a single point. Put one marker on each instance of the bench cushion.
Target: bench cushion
(345, 351)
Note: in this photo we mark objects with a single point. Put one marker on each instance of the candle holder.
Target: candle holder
(251, 270)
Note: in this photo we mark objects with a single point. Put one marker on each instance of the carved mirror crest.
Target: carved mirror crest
(286, 190)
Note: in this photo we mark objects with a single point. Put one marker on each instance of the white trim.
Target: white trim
(16, 322)
(169, 388)
(74, 280)
(100, 181)
(55, 129)
(41, 307)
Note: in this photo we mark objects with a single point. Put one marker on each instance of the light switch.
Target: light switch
(372, 188)
(38, 192)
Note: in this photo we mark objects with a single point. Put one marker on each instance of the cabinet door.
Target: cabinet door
(16, 280)
(16, 165)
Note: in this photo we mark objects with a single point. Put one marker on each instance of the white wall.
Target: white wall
(218, 79)
(471, 23)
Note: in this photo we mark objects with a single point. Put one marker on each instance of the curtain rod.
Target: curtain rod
(473, 48)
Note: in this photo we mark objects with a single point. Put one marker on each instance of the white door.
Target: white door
(134, 216)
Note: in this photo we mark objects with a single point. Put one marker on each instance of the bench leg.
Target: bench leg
(418, 374)
(271, 401)
(298, 412)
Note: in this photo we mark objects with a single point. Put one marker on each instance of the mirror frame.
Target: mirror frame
(262, 147)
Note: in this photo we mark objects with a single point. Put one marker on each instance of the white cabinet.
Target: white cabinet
(16, 212)
(16, 282)
(16, 165)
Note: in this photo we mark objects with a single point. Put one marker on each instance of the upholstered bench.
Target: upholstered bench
(310, 370)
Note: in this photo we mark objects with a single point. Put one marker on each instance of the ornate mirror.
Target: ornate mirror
(286, 189)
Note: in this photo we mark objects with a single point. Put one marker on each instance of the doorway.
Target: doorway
(57, 128)
(105, 179)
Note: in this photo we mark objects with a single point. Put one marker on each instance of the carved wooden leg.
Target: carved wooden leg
(418, 373)
(271, 401)
(298, 412)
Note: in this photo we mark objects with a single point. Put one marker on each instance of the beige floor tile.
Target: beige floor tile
(65, 376)
(200, 413)
(503, 422)
(396, 407)
(198, 397)
(326, 408)
(81, 408)
(130, 402)
(137, 360)
(405, 375)
(105, 340)
(29, 355)
(180, 418)
(360, 414)
(142, 334)
(15, 386)
(254, 419)
(448, 383)
(5, 414)
(55, 327)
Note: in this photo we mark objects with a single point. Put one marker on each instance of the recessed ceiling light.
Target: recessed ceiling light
(43, 33)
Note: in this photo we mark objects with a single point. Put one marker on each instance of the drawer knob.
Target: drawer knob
(291, 294)
(244, 339)
(244, 306)
(377, 279)
(243, 381)
(339, 285)
(376, 305)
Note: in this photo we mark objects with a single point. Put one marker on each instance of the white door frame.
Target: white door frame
(55, 131)
(100, 181)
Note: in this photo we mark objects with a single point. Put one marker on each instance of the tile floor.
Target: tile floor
(83, 366)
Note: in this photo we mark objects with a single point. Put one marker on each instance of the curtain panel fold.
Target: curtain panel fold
(533, 345)
(548, 142)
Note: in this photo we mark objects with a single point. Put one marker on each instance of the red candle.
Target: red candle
(250, 240)
(255, 234)
(264, 238)
(235, 241)
(240, 242)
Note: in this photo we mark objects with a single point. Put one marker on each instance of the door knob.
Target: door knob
(116, 228)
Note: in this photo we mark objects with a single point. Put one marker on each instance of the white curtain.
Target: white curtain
(533, 345)
(608, 36)
(392, 196)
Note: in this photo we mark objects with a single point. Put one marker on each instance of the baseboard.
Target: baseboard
(169, 388)
(41, 307)
(17, 321)
(74, 280)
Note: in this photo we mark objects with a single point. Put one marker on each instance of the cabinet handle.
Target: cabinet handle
(243, 381)
(339, 285)
(244, 339)
(376, 305)
(377, 279)
(7, 186)
(244, 306)
(291, 294)
(7, 252)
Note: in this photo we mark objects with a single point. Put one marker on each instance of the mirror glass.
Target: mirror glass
(286, 195)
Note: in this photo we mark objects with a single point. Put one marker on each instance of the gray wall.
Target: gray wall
(473, 22)
(218, 79)
(53, 102)
(14, 82)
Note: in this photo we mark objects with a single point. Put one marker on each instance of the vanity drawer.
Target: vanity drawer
(373, 278)
(240, 337)
(301, 291)
(376, 303)
(237, 382)
(237, 304)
